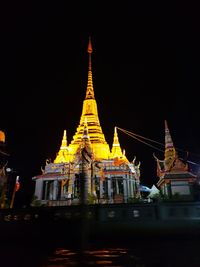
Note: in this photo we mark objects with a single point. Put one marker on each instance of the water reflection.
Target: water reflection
(111, 257)
(140, 253)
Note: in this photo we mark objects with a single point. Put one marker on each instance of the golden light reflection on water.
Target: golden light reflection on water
(109, 257)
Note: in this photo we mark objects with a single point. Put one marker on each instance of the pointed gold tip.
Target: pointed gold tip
(166, 126)
(89, 46)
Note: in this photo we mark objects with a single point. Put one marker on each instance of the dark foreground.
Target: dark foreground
(142, 252)
(111, 224)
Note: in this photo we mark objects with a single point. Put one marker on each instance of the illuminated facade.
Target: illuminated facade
(175, 179)
(110, 175)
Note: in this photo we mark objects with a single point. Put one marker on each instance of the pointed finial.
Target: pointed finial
(64, 140)
(170, 152)
(166, 125)
(168, 138)
(90, 90)
(65, 135)
(89, 46)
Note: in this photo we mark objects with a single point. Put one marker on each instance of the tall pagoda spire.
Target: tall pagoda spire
(99, 145)
(64, 140)
(90, 89)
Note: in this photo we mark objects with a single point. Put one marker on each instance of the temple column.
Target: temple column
(128, 188)
(55, 190)
(117, 186)
(169, 191)
(101, 191)
(71, 189)
(131, 187)
(46, 196)
(109, 187)
(39, 188)
(125, 189)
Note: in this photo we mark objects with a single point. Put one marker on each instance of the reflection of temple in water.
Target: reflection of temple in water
(108, 174)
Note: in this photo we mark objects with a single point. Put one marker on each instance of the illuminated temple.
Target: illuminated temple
(108, 175)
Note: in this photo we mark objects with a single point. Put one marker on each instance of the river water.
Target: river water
(137, 253)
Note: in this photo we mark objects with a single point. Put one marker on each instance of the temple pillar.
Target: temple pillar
(116, 186)
(39, 188)
(55, 190)
(101, 191)
(71, 188)
(109, 187)
(131, 188)
(128, 187)
(125, 189)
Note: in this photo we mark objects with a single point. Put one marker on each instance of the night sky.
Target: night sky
(145, 69)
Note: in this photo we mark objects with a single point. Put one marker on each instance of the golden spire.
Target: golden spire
(116, 149)
(64, 141)
(90, 90)
(116, 152)
(99, 145)
(63, 153)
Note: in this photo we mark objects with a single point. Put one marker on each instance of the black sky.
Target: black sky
(145, 70)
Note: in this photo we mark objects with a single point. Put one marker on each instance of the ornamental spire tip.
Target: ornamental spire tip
(89, 46)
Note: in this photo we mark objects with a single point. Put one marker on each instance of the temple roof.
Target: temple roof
(171, 163)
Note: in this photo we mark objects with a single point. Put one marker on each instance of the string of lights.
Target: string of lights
(135, 136)
(140, 138)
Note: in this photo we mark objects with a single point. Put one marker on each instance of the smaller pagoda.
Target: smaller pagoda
(175, 178)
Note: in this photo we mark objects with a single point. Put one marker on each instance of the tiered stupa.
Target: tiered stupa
(99, 145)
(111, 173)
